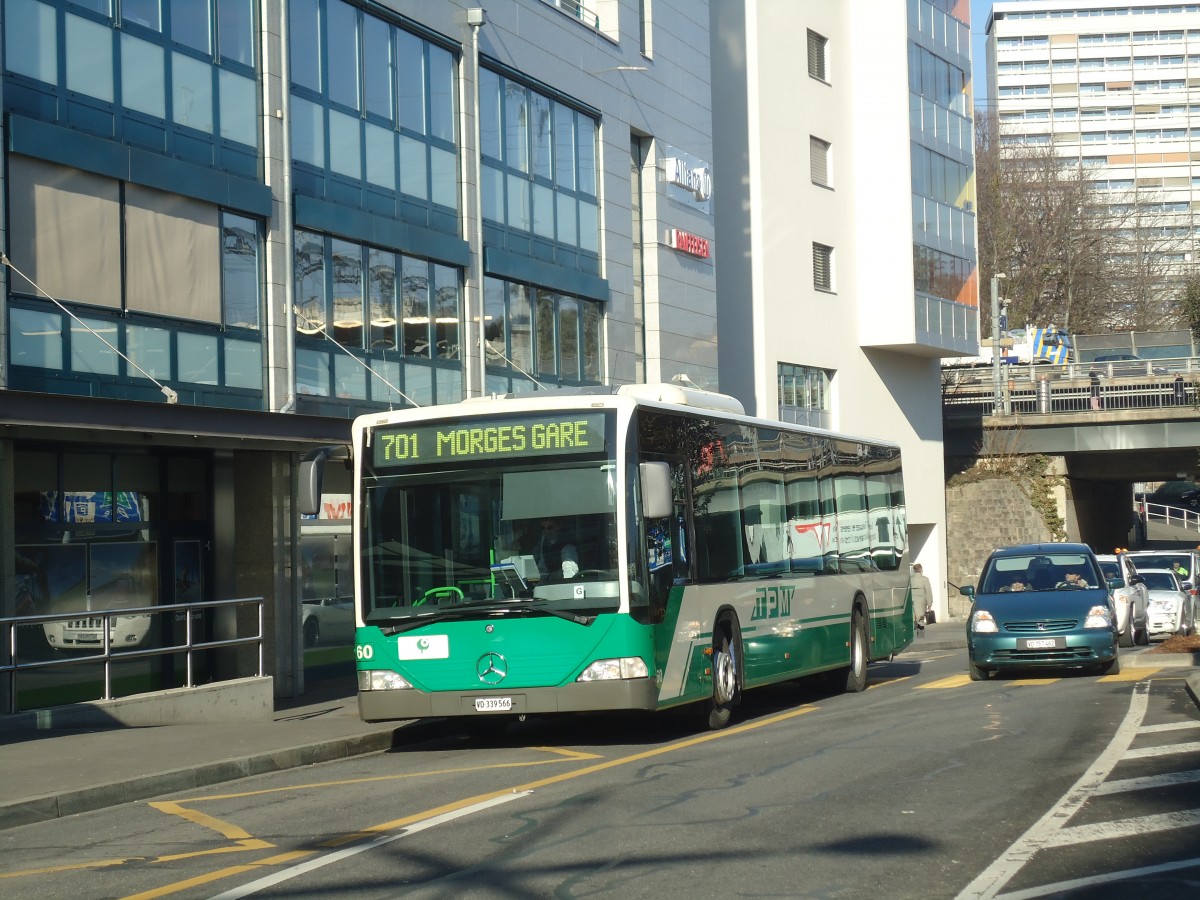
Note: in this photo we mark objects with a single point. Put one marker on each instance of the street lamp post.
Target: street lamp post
(997, 389)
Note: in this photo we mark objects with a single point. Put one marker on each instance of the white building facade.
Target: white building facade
(1115, 86)
(847, 269)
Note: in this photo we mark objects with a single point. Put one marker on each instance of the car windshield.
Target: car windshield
(1160, 581)
(1158, 561)
(1039, 572)
(1112, 571)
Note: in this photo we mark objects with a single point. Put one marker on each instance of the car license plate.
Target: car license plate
(1041, 643)
(493, 704)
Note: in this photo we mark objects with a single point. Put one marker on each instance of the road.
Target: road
(925, 786)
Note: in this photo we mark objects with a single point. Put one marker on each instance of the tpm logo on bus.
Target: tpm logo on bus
(772, 602)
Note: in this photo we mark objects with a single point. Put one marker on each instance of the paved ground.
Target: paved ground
(57, 773)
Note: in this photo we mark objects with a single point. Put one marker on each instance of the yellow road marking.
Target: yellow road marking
(395, 824)
(1033, 681)
(397, 777)
(50, 870)
(178, 886)
(1131, 674)
(952, 682)
(225, 829)
(252, 844)
(569, 754)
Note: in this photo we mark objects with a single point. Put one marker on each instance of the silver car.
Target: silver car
(1169, 610)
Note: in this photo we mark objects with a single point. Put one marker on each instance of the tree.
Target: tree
(1188, 304)
(1043, 224)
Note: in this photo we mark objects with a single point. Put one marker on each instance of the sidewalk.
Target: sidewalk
(49, 774)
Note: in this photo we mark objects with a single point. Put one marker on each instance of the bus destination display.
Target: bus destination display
(502, 438)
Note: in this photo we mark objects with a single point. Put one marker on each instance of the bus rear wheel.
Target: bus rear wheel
(726, 682)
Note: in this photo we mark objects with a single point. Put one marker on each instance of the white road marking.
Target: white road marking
(1164, 750)
(989, 883)
(1047, 889)
(1169, 726)
(1119, 828)
(337, 856)
(1149, 782)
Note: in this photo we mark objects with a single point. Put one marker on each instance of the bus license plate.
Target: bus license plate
(493, 704)
(1042, 643)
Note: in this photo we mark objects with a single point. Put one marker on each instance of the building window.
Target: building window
(804, 394)
(539, 168)
(817, 46)
(539, 338)
(396, 321)
(818, 161)
(384, 100)
(822, 267)
(156, 76)
(173, 284)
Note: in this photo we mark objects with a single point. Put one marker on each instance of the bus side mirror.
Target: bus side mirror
(657, 499)
(312, 473)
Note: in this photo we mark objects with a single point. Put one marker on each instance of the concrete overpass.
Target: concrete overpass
(1147, 428)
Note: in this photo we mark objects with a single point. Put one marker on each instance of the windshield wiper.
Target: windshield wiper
(462, 611)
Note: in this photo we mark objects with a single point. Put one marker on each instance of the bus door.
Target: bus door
(668, 544)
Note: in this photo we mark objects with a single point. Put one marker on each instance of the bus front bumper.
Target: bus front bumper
(594, 696)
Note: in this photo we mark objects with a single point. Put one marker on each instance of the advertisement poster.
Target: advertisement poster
(51, 578)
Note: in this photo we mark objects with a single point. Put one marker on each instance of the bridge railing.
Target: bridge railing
(1168, 515)
(1071, 388)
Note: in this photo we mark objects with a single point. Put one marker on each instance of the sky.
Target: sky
(980, 10)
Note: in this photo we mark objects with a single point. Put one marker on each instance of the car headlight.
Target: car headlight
(983, 623)
(615, 669)
(1162, 605)
(381, 680)
(1098, 617)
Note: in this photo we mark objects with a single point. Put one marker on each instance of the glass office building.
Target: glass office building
(233, 225)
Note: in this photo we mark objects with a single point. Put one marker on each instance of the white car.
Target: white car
(1170, 611)
(328, 622)
(1130, 597)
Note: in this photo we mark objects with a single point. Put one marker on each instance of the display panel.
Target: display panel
(544, 435)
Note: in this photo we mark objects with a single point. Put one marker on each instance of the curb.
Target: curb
(30, 810)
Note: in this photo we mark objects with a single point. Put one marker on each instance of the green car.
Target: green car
(1041, 606)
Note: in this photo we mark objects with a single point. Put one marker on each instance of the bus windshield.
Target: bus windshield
(514, 515)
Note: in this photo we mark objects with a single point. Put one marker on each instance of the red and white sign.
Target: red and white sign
(686, 242)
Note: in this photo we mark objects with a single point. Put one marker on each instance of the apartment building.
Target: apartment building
(233, 225)
(850, 271)
(1115, 86)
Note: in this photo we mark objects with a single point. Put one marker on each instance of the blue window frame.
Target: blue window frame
(539, 173)
(538, 337)
(373, 114)
(396, 321)
(177, 77)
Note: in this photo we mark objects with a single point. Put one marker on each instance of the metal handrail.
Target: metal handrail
(1168, 515)
(13, 624)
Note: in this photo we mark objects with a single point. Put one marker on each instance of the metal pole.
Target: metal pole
(997, 390)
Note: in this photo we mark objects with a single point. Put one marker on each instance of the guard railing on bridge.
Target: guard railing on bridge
(1043, 389)
(30, 657)
(1167, 515)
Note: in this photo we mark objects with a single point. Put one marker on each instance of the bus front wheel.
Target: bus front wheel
(856, 672)
(726, 682)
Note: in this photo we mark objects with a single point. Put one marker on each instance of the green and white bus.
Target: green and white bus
(710, 553)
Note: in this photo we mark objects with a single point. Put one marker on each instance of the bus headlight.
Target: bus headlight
(1098, 617)
(615, 669)
(381, 680)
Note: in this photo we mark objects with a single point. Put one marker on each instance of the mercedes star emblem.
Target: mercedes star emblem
(491, 668)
